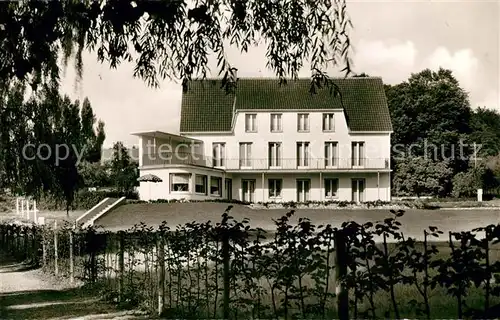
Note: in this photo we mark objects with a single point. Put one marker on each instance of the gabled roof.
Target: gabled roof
(206, 107)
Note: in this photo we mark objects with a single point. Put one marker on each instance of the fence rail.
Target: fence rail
(230, 270)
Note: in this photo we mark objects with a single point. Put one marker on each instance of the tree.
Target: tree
(170, 39)
(124, 171)
(485, 127)
(43, 143)
(95, 175)
(430, 113)
(426, 106)
(93, 136)
(422, 176)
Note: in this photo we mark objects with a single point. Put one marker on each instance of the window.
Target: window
(331, 188)
(275, 188)
(218, 154)
(248, 190)
(216, 186)
(302, 154)
(303, 186)
(228, 187)
(331, 155)
(250, 123)
(358, 190)
(358, 154)
(276, 122)
(201, 184)
(274, 154)
(303, 122)
(245, 154)
(328, 122)
(180, 182)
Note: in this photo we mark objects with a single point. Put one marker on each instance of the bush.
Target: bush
(465, 184)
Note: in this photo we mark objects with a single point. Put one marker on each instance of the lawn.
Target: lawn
(413, 222)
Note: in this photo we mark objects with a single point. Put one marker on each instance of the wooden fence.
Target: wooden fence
(229, 270)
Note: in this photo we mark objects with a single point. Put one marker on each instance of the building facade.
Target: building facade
(267, 142)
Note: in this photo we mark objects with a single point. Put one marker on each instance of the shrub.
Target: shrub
(466, 183)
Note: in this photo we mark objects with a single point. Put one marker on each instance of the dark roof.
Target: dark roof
(206, 107)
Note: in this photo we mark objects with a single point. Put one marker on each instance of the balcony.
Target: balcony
(179, 158)
(308, 164)
(263, 164)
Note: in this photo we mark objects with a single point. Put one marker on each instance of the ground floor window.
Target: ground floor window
(229, 189)
(201, 184)
(303, 188)
(179, 182)
(358, 190)
(248, 190)
(216, 186)
(331, 188)
(274, 187)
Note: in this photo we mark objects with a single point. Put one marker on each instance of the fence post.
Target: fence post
(341, 273)
(34, 246)
(18, 241)
(121, 265)
(56, 267)
(44, 249)
(26, 250)
(35, 214)
(226, 263)
(161, 273)
(71, 258)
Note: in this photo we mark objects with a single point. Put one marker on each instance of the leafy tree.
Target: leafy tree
(124, 170)
(431, 106)
(13, 133)
(430, 114)
(95, 174)
(93, 136)
(170, 39)
(422, 176)
(42, 144)
(485, 126)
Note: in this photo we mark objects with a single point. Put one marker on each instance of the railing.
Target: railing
(309, 163)
(163, 159)
(265, 163)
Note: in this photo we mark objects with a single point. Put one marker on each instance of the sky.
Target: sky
(391, 39)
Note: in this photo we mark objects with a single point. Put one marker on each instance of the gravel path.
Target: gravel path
(29, 294)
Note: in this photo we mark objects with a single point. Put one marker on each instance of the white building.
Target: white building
(267, 142)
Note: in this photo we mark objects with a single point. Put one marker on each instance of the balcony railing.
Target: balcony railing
(309, 163)
(265, 163)
(163, 159)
